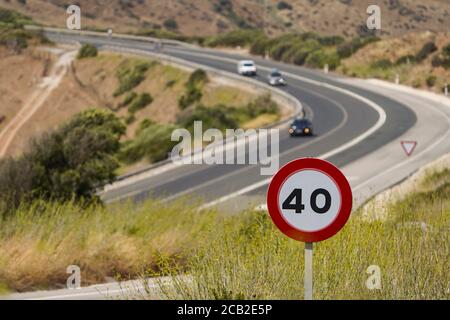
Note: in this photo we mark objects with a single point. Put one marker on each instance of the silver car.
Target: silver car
(275, 78)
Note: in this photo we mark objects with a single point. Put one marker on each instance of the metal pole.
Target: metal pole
(308, 271)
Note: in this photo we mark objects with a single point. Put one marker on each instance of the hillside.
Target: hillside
(421, 60)
(211, 17)
(92, 82)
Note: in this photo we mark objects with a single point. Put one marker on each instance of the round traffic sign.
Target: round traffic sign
(309, 200)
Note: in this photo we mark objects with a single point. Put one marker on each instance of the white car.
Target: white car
(247, 68)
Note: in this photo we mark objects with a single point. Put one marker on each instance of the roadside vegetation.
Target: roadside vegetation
(12, 32)
(248, 258)
(87, 51)
(68, 163)
(230, 257)
(418, 60)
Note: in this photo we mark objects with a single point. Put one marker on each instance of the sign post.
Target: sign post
(309, 200)
(308, 271)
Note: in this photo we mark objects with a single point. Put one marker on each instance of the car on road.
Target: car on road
(275, 78)
(247, 68)
(301, 127)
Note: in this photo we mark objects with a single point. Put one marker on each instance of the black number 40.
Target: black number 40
(294, 201)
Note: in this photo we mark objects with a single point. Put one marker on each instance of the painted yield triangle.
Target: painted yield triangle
(409, 147)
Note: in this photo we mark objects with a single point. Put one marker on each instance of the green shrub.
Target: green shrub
(171, 24)
(283, 5)
(381, 64)
(130, 118)
(431, 81)
(193, 87)
(446, 50)
(427, 49)
(260, 46)
(69, 163)
(87, 51)
(192, 95)
(153, 143)
(198, 77)
(262, 105)
(219, 117)
(331, 40)
(144, 125)
(405, 59)
(442, 59)
(349, 48)
(130, 96)
(170, 83)
(236, 38)
(13, 18)
(130, 75)
(319, 58)
(140, 102)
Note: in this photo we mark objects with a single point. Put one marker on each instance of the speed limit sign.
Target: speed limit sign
(309, 200)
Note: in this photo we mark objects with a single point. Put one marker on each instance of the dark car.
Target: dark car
(301, 127)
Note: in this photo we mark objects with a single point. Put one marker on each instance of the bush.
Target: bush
(318, 59)
(381, 64)
(153, 143)
(87, 51)
(405, 59)
(446, 50)
(130, 75)
(219, 117)
(198, 77)
(227, 117)
(426, 50)
(431, 81)
(130, 118)
(171, 24)
(140, 102)
(192, 95)
(282, 5)
(260, 46)
(69, 163)
(331, 40)
(347, 49)
(128, 99)
(262, 105)
(236, 38)
(193, 87)
(441, 61)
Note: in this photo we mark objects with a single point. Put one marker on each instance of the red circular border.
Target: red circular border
(313, 164)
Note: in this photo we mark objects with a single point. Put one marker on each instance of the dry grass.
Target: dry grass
(38, 243)
(250, 259)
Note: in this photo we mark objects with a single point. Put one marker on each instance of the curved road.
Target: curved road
(338, 118)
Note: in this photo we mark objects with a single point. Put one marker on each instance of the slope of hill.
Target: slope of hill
(211, 17)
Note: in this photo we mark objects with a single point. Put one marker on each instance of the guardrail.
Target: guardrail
(106, 35)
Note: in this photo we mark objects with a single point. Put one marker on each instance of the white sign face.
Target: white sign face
(309, 200)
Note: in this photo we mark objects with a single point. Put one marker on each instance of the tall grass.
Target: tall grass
(250, 259)
(39, 242)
